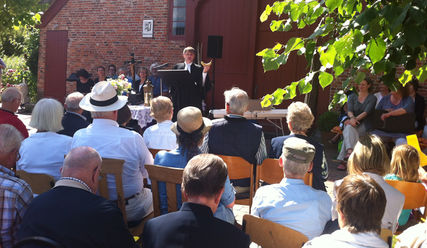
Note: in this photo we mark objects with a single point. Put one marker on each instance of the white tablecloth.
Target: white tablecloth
(141, 113)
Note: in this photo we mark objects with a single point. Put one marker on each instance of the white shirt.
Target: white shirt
(293, 204)
(344, 239)
(393, 207)
(44, 153)
(111, 141)
(160, 136)
(188, 68)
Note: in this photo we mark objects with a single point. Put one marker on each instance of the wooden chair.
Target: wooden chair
(270, 172)
(387, 236)
(271, 235)
(412, 140)
(238, 168)
(39, 183)
(154, 151)
(415, 194)
(114, 167)
(171, 177)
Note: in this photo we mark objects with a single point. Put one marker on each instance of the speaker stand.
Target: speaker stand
(213, 85)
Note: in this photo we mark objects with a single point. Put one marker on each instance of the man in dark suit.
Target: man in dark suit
(193, 91)
(73, 119)
(299, 120)
(194, 224)
(71, 214)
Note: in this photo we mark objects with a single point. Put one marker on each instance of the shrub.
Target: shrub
(327, 121)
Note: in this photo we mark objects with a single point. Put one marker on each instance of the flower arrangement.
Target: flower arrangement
(121, 84)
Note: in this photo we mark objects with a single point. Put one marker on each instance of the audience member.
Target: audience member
(15, 193)
(194, 225)
(419, 105)
(44, 151)
(397, 103)
(236, 136)
(299, 120)
(404, 167)
(413, 237)
(112, 72)
(73, 119)
(291, 203)
(382, 92)
(111, 141)
(84, 84)
(100, 71)
(159, 87)
(10, 101)
(143, 77)
(369, 157)
(360, 110)
(361, 205)
(190, 129)
(71, 213)
(124, 118)
(160, 136)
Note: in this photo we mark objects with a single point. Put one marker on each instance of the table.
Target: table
(270, 115)
(141, 113)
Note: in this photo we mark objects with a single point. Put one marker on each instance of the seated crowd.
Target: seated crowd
(71, 150)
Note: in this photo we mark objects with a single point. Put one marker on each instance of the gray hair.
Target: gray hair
(237, 100)
(10, 138)
(299, 114)
(294, 168)
(11, 94)
(72, 101)
(47, 115)
(97, 114)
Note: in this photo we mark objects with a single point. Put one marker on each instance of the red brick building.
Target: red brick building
(78, 34)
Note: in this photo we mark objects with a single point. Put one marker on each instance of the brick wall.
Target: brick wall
(103, 32)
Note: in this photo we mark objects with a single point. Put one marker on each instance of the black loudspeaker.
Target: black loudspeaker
(214, 47)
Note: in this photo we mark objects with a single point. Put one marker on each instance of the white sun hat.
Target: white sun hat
(103, 98)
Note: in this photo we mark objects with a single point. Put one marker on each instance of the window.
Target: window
(177, 19)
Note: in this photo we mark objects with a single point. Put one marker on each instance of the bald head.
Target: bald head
(11, 99)
(83, 163)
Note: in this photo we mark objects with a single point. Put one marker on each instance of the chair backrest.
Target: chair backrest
(271, 235)
(39, 183)
(415, 194)
(412, 140)
(171, 177)
(270, 172)
(238, 168)
(37, 241)
(154, 151)
(113, 167)
(387, 236)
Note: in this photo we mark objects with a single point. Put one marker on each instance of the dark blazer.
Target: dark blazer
(191, 92)
(75, 218)
(320, 168)
(419, 111)
(71, 123)
(192, 226)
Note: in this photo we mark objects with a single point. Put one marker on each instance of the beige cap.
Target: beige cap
(298, 150)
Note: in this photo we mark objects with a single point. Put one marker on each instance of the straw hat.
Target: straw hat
(103, 98)
(190, 119)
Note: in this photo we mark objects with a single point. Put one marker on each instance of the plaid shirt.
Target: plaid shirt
(15, 195)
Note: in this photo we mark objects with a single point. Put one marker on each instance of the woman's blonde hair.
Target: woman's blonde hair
(405, 162)
(161, 108)
(369, 155)
(47, 115)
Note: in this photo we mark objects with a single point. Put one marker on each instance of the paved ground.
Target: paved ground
(240, 210)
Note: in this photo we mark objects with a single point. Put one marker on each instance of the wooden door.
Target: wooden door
(56, 64)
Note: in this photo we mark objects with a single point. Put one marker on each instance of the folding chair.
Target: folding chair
(412, 140)
(39, 183)
(415, 194)
(270, 172)
(271, 235)
(171, 177)
(238, 168)
(115, 167)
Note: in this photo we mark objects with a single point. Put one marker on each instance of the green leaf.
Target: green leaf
(359, 77)
(278, 96)
(277, 47)
(279, 7)
(333, 4)
(293, 44)
(325, 79)
(338, 70)
(266, 101)
(291, 90)
(405, 77)
(422, 73)
(276, 25)
(366, 16)
(376, 49)
(304, 87)
(265, 13)
(414, 35)
(327, 58)
(310, 46)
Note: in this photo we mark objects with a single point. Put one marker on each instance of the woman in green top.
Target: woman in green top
(360, 107)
